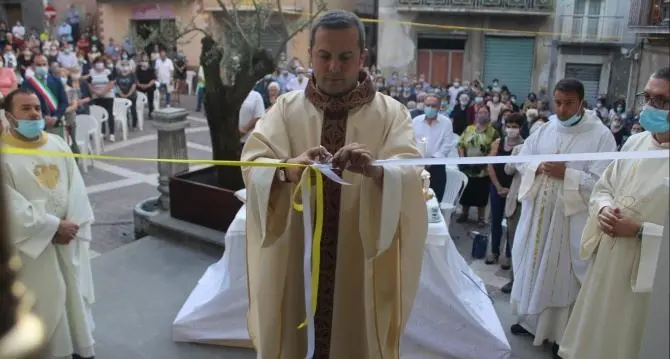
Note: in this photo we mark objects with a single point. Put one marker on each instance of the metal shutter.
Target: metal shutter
(510, 60)
(271, 39)
(589, 75)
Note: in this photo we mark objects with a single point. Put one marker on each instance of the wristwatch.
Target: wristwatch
(281, 173)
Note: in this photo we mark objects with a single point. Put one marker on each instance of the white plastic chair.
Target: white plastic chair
(190, 75)
(454, 188)
(101, 115)
(140, 103)
(121, 109)
(86, 124)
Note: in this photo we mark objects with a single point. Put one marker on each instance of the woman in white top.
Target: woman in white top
(101, 85)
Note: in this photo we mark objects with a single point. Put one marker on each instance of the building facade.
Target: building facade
(591, 44)
(649, 21)
(29, 12)
(468, 39)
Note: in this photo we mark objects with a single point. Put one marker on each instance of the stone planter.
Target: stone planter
(195, 198)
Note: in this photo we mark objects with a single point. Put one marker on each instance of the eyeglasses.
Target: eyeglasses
(659, 102)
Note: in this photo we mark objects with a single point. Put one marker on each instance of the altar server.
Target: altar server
(50, 223)
(374, 229)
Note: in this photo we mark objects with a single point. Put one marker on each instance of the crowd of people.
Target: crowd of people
(76, 69)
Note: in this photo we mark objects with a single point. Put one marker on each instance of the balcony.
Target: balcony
(649, 17)
(501, 7)
(591, 29)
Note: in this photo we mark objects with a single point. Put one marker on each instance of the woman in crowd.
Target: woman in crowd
(25, 61)
(71, 111)
(101, 85)
(126, 83)
(146, 80)
(8, 80)
(463, 114)
(476, 141)
(81, 90)
(619, 130)
(179, 77)
(274, 90)
(501, 183)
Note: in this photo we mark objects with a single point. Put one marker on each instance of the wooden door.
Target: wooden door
(423, 63)
(455, 66)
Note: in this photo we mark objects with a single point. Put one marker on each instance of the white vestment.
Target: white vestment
(610, 312)
(42, 190)
(545, 256)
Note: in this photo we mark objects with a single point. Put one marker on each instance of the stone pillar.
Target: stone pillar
(171, 124)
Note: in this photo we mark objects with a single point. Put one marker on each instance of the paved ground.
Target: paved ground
(134, 322)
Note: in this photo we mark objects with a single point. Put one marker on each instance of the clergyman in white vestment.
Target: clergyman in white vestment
(623, 235)
(554, 198)
(50, 221)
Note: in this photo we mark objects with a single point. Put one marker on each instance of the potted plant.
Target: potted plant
(233, 63)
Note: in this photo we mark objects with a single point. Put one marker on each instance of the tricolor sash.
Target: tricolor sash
(44, 92)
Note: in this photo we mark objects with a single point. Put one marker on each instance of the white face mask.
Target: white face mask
(512, 132)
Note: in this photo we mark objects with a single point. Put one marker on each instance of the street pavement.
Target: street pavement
(142, 284)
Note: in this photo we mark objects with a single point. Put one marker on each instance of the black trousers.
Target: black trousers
(150, 97)
(438, 180)
(107, 104)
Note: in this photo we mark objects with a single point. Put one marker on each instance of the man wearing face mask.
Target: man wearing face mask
(434, 136)
(67, 58)
(51, 93)
(453, 91)
(623, 236)
(554, 200)
(299, 82)
(420, 105)
(51, 227)
(146, 82)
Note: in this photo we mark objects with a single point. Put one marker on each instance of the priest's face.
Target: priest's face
(25, 106)
(336, 59)
(567, 104)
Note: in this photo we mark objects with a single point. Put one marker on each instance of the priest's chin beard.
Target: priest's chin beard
(341, 93)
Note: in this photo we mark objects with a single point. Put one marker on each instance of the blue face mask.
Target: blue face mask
(479, 100)
(41, 71)
(430, 112)
(571, 121)
(654, 120)
(30, 128)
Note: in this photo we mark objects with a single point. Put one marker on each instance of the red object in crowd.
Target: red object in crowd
(50, 12)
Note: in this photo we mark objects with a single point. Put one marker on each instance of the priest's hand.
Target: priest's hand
(356, 158)
(66, 232)
(624, 226)
(313, 155)
(607, 220)
(554, 169)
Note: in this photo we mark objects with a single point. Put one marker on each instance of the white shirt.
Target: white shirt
(164, 70)
(437, 136)
(252, 107)
(295, 84)
(453, 95)
(67, 61)
(19, 31)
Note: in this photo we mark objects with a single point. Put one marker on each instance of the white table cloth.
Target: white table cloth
(453, 317)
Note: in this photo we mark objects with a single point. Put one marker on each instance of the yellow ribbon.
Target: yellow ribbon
(316, 237)
(318, 222)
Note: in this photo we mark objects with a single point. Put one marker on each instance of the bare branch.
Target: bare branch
(321, 7)
(227, 17)
(282, 20)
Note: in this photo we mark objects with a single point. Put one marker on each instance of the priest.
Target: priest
(554, 206)
(50, 223)
(374, 229)
(623, 236)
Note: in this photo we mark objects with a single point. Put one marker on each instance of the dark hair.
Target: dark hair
(662, 74)
(503, 112)
(516, 118)
(339, 20)
(7, 102)
(99, 59)
(570, 85)
(36, 56)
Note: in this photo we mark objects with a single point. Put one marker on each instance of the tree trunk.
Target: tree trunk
(222, 106)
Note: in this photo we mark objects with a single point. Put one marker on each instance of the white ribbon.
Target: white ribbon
(306, 194)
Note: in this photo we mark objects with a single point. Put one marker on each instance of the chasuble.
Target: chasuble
(373, 236)
(42, 190)
(610, 312)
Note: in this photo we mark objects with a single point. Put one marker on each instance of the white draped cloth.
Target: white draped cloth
(453, 317)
